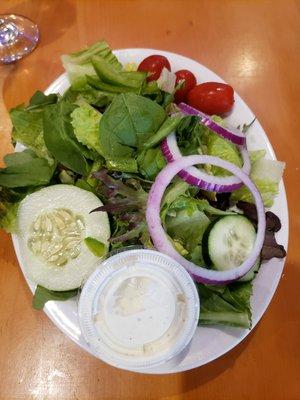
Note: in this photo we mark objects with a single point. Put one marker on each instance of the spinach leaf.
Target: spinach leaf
(127, 123)
(40, 99)
(25, 169)
(60, 139)
(28, 124)
(151, 162)
(42, 295)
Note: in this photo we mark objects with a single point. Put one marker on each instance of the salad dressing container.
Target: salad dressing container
(138, 310)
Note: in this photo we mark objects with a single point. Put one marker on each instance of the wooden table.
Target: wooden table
(254, 45)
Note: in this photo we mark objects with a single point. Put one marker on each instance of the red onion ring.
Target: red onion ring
(160, 239)
(233, 134)
(196, 177)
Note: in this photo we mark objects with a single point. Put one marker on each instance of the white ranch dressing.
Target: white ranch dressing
(138, 309)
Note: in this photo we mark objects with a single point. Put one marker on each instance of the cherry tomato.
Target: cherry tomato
(211, 98)
(189, 82)
(154, 64)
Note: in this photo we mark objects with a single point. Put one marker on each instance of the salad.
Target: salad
(137, 155)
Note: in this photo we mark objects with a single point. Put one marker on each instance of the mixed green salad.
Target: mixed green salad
(99, 147)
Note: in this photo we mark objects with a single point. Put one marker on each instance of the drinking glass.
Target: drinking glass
(18, 37)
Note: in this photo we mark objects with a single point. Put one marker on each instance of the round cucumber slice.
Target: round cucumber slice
(230, 241)
(52, 225)
(251, 274)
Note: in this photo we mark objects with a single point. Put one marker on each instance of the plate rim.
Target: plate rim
(61, 80)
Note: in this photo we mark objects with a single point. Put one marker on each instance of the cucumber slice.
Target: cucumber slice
(251, 274)
(52, 225)
(230, 241)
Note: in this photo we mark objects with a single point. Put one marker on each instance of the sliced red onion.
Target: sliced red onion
(160, 239)
(196, 177)
(233, 134)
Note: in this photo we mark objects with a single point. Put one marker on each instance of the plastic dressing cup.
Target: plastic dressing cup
(138, 310)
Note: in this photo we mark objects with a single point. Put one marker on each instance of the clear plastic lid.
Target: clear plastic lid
(139, 309)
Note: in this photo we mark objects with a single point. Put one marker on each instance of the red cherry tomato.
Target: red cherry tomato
(211, 98)
(189, 83)
(154, 64)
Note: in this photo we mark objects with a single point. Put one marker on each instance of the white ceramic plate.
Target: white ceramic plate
(208, 343)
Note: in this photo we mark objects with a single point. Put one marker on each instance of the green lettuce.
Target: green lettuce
(90, 95)
(78, 64)
(108, 87)
(256, 155)
(151, 162)
(112, 79)
(28, 124)
(42, 295)
(85, 120)
(266, 174)
(189, 134)
(127, 123)
(60, 139)
(215, 145)
(153, 92)
(186, 219)
(195, 138)
(186, 224)
(122, 164)
(25, 169)
(169, 125)
(8, 215)
(226, 305)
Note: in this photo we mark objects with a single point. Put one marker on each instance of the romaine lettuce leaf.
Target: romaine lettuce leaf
(256, 155)
(195, 138)
(187, 225)
(186, 219)
(111, 76)
(108, 87)
(215, 145)
(166, 81)
(78, 64)
(266, 174)
(85, 120)
(90, 95)
(226, 305)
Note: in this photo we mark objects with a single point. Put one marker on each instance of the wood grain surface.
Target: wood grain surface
(255, 46)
